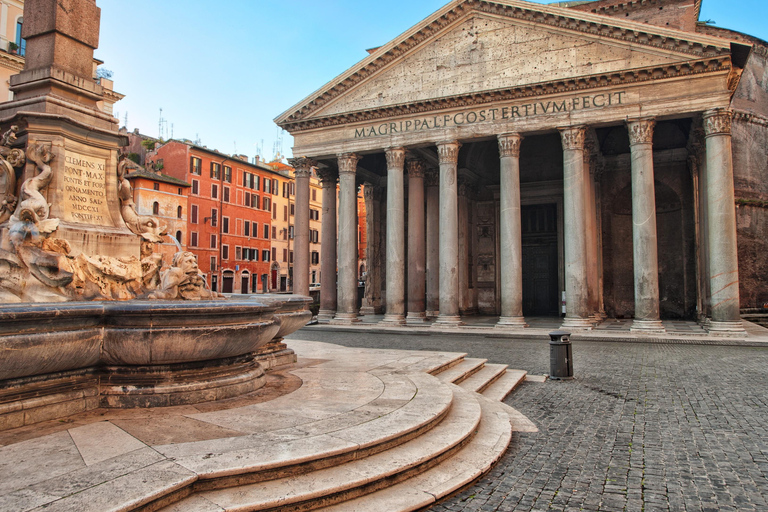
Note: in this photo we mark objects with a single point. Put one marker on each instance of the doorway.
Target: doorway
(540, 260)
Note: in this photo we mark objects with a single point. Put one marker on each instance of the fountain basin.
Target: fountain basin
(57, 359)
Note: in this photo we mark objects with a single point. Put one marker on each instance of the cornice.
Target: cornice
(611, 79)
(748, 117)
(560, 18)
(10, 61)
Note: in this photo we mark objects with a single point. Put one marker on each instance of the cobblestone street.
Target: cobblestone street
(643, 427)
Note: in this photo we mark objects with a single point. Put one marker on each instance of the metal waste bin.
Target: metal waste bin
(560, 356)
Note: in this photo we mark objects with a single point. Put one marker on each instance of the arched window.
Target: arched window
(155, 208)
(178, 236)
(178, 212)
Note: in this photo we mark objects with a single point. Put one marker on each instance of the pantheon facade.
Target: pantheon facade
(603, 159)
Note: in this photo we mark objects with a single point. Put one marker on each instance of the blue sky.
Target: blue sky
(221, 76)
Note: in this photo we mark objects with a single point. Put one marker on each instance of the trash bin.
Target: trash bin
(560, 356)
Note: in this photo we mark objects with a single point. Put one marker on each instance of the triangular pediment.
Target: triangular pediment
(473, 47)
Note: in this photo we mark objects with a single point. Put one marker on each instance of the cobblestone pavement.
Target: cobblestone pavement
(643, 427)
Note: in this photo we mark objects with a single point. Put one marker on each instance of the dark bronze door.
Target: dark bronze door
(540, 261)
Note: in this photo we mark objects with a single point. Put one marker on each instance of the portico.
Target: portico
(507, 185)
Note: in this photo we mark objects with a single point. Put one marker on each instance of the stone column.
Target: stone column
(433, 243)
(416, 243)
(721, 209)
(464, 191)
(372, 299)
(574, 213)
(448, 153)
(644, 241)
(347, 287)
(510, 233)
(303, 170)
(328, 243)
(395, 301)
(591, 227)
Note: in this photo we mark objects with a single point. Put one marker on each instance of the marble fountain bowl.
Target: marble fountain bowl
(57, 359)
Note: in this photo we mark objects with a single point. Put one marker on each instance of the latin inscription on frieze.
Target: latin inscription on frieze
(495, 114)
(84, 185)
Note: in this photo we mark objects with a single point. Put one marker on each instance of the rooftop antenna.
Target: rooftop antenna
(197, 139)
(235, 143)
(125, 122)
(171, 130)
(160, 125)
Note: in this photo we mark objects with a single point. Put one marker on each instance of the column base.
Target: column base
(393, 320)
(366, 310)
(511, 322)
(345, 319)
(584, 324)
(725, 328)
(325, 315)
(416, 318)
(432, 314)
(647, 326)
(448, 321)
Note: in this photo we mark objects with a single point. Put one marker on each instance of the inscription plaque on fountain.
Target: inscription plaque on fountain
(84, 185)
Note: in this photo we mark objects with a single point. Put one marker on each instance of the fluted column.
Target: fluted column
(448, 153)
(347, 286)
(328, 246)
(417, 259)
(644, 240)
(510, 233)
(395, 300)
(433, 243)
(574, 212)
(723, 252)
(303, 170)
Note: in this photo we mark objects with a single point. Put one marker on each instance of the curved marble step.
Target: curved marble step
(505, 384)
(480, 380)
(462, 371)
(349, 480)
(474, 460)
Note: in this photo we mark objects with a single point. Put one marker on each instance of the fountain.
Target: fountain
(91, 316)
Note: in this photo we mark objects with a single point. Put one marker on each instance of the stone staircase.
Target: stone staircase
(447, 434)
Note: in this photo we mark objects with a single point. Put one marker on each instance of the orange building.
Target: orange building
(164, 197)
(229, 224)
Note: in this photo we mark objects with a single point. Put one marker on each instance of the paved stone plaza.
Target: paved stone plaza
(645, 426)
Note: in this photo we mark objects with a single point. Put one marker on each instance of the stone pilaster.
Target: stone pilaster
(328, 244)
(395, 299)
(574, 212)
(433, 243)
(644, 240)
(448, 153)
(303, 167)
(417, 258)
(723, 254)
(510, 233)
(347, 285)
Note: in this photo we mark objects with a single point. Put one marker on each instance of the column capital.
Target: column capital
(416, 168)
(432, 177)
(302, 166)
(448, 151)
(395, 157)
(641, 131)
(327, 176)
(717, 121)
(573, 137)
(509, 144)
(348, 163)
